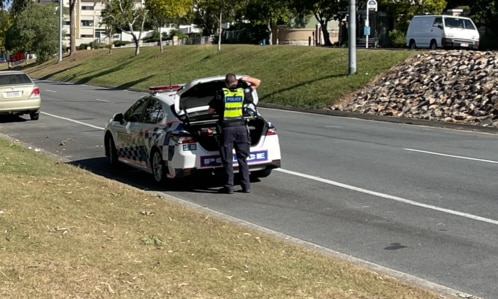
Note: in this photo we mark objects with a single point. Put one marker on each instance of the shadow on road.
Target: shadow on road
(203, 182)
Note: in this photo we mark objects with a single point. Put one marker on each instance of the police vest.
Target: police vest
(234, 102)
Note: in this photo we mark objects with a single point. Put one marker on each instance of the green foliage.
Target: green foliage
(82, 46)
(35, 30)
(404, 10)
(124, 16)
(178, 33)
(485, 12)
(207, 13)
(161, 10)
(119, 43)
(5, 21)
(488, 41)
(17, 6)
(397, 38)
(324, 11)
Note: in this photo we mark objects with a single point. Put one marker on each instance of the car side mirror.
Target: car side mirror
(118, 117)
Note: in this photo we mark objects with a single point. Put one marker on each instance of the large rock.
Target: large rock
(452, 86)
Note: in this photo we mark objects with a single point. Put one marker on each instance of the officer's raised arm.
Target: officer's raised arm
(251, 80)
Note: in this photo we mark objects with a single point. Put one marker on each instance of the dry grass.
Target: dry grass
(67, 233)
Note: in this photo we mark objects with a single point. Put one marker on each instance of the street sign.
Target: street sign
(367, 31)
(372, 5)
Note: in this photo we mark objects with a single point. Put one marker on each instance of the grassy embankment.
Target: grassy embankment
(67, 233)
(296, 76)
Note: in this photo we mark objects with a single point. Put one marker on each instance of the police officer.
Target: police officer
(229, 104)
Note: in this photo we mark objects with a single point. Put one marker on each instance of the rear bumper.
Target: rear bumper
(20, 106)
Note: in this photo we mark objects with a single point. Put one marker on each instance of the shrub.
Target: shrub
(397, 38)
(83, 46)
(119, 43)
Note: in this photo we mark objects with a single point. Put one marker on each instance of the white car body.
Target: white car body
(175, 136)
(442, 31)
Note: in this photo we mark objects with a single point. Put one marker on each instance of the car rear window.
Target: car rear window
(9, 79)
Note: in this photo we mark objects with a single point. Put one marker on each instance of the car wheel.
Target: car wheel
(261, 173)
(158, 167)
(413, 46)
(34, 115)
(433, 45)
(111, 151)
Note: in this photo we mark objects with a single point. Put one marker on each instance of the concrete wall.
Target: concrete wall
(303, 36)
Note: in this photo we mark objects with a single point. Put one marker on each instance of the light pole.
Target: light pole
(60, 31)
(352, 37)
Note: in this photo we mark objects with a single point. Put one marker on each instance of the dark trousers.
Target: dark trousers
(236, 138)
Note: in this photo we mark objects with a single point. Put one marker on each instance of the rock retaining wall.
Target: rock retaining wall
(452, 86)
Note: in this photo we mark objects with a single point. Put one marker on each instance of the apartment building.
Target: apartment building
(89, 26)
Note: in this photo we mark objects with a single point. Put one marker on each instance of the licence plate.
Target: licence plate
(465, 45)
(11, 94)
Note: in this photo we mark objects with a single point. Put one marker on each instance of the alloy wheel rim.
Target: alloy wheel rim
(157, 167)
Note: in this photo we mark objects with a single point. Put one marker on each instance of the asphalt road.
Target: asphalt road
(421, 200)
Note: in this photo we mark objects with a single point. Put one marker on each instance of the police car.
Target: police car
(169, 133)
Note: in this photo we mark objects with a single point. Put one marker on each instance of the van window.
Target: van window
(454, 23)
(438, 22)
(469, 25)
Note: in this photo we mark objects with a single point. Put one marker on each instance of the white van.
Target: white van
(442, 31)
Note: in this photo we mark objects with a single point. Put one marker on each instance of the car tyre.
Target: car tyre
(34, 115)
(158, 167)
(433, 45)
(261, 173)
(111, 151)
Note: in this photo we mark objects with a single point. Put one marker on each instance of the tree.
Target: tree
(5, 22)
(126, 17)
(214, 12)
(35, 30)
(485, 13)
(162, 10)
(16, 6)
(268, 12)
(324, 11)
(404, 10)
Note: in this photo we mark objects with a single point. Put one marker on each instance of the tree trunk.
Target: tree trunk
(270, 33)
(110, 41)
(325, 32)
(72, 27)
(137, 43)
(161, 48)
(219, 36)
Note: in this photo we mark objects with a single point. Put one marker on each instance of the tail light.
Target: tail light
(271, 130)
(182, 138)
(35, 92)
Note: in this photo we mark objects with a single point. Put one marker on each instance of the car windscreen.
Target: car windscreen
(12, 79)
(458, 23)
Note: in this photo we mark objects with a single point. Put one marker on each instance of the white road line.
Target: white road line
(73, 120)
(345, 186)
(391, 197)
(451, 156)
(105, 101)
